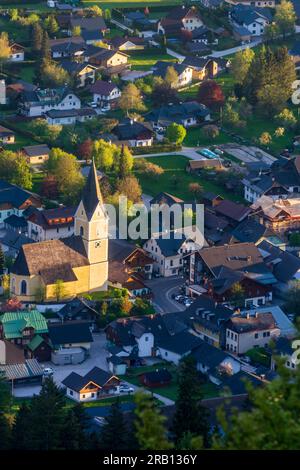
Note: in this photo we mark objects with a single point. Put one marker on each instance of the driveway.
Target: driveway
(162, 289)
(188, 152)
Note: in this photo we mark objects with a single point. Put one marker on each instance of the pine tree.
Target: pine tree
(47, 417)
(150, 429)
(190, 416)
(2, 260)
(114, 433)
(22, 428)
(45, 47)
(125, 162)
(74, 433)
(37, 37)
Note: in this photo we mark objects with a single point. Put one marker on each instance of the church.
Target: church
(80, 261)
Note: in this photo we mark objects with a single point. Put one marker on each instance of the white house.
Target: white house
(51, 224)
(16, 53)
(38, 102)
(105, 93)
(94, 385)
(244, 332)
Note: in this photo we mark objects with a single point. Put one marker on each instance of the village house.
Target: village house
(283, 349)
(232, 211)
(279, 215)
(12, 241)
(202, 68)
(69, 117)
(184, 72)
(195, 166)
(252, 18)
(244, 332)
(134, 133)
(82, 73)
(51, 224)
(178, 19)
(105, 94)
(87, 24)
(255, 3)
(38, 102)
(80, 260)
(17, 53)
(168, 251)
(94, 385)
(6, 136)
(70, 335)
(285, 266)
(207, 319)
(126, 43)
(220, 267)
(36, 154)
(15, 200)
(16, 223)
(189, 113)
(29, 331)
(280, 180)
(129, 267)
(71, 48)
(106, 59)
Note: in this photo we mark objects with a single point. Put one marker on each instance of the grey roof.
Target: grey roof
(208, 355)
(166, 115)
(251, 231)
(236, 383)
(246, 15)
(36, 150)
(70, 332)
(284, 346)
(15, 240)
(15, 221)
(207, 313)
(170, 246)
(93, 35)
(76, 382)
(89, 24)
(73, 67)
(182, 343)
(129, 129)
(161, 67)
(31, 368)
(91, 195)
(285, 264)
(9, 193)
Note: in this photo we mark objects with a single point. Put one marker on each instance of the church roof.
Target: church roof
(91, 195)
(51, 259)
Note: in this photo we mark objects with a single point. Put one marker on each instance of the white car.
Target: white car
(125, 389)
(47, 371)
(93, 104)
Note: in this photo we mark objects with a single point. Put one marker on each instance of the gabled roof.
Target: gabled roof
(9, 193)
(284, 265)
(89, 24)
(251, 231)
(233, 210)
(246, 14)
(129, 129)
(91, 195)
(36, 150)
(177, 113)
(102, 87)
(182, 343)
(14, 323)
(77, 382)
(70, 332)
(208, 355)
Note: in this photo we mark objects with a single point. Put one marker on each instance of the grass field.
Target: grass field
(196, 136)
(131, 3)
(170, 391)
(176, 165)
(141, 61)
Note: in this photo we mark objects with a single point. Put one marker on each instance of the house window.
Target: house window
(23, 287)
(256, 335)
(146, 338)
(71, 392)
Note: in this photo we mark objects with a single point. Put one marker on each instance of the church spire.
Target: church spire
(91, 195)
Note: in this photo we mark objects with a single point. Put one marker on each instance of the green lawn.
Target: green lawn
(176, 165)
(170, 391)
(196, 136)
(130, 4)
(40, 6)
(144, 61)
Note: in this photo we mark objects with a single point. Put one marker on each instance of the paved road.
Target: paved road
(163, 288)
(233, 50)
(189, 152)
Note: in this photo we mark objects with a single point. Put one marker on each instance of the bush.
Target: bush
(156, 149)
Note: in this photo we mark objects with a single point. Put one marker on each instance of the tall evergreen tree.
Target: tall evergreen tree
(37, 37)
(74, 433)
(22, 428)
(150, 429)
(190, 416)
(2, 260)
(45, 47)
(47, 417)
(125, 162)
(114, 433)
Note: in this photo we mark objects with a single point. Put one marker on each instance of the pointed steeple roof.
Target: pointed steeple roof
(91, 195)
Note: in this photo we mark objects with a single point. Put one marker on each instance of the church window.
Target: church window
(23, 287)
(81, 231)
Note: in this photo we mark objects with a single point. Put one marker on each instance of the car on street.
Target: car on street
(124, 388)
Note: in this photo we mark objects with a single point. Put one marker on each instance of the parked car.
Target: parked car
(179, 298)
(93, 104)
(123, 388)
(48, 371)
